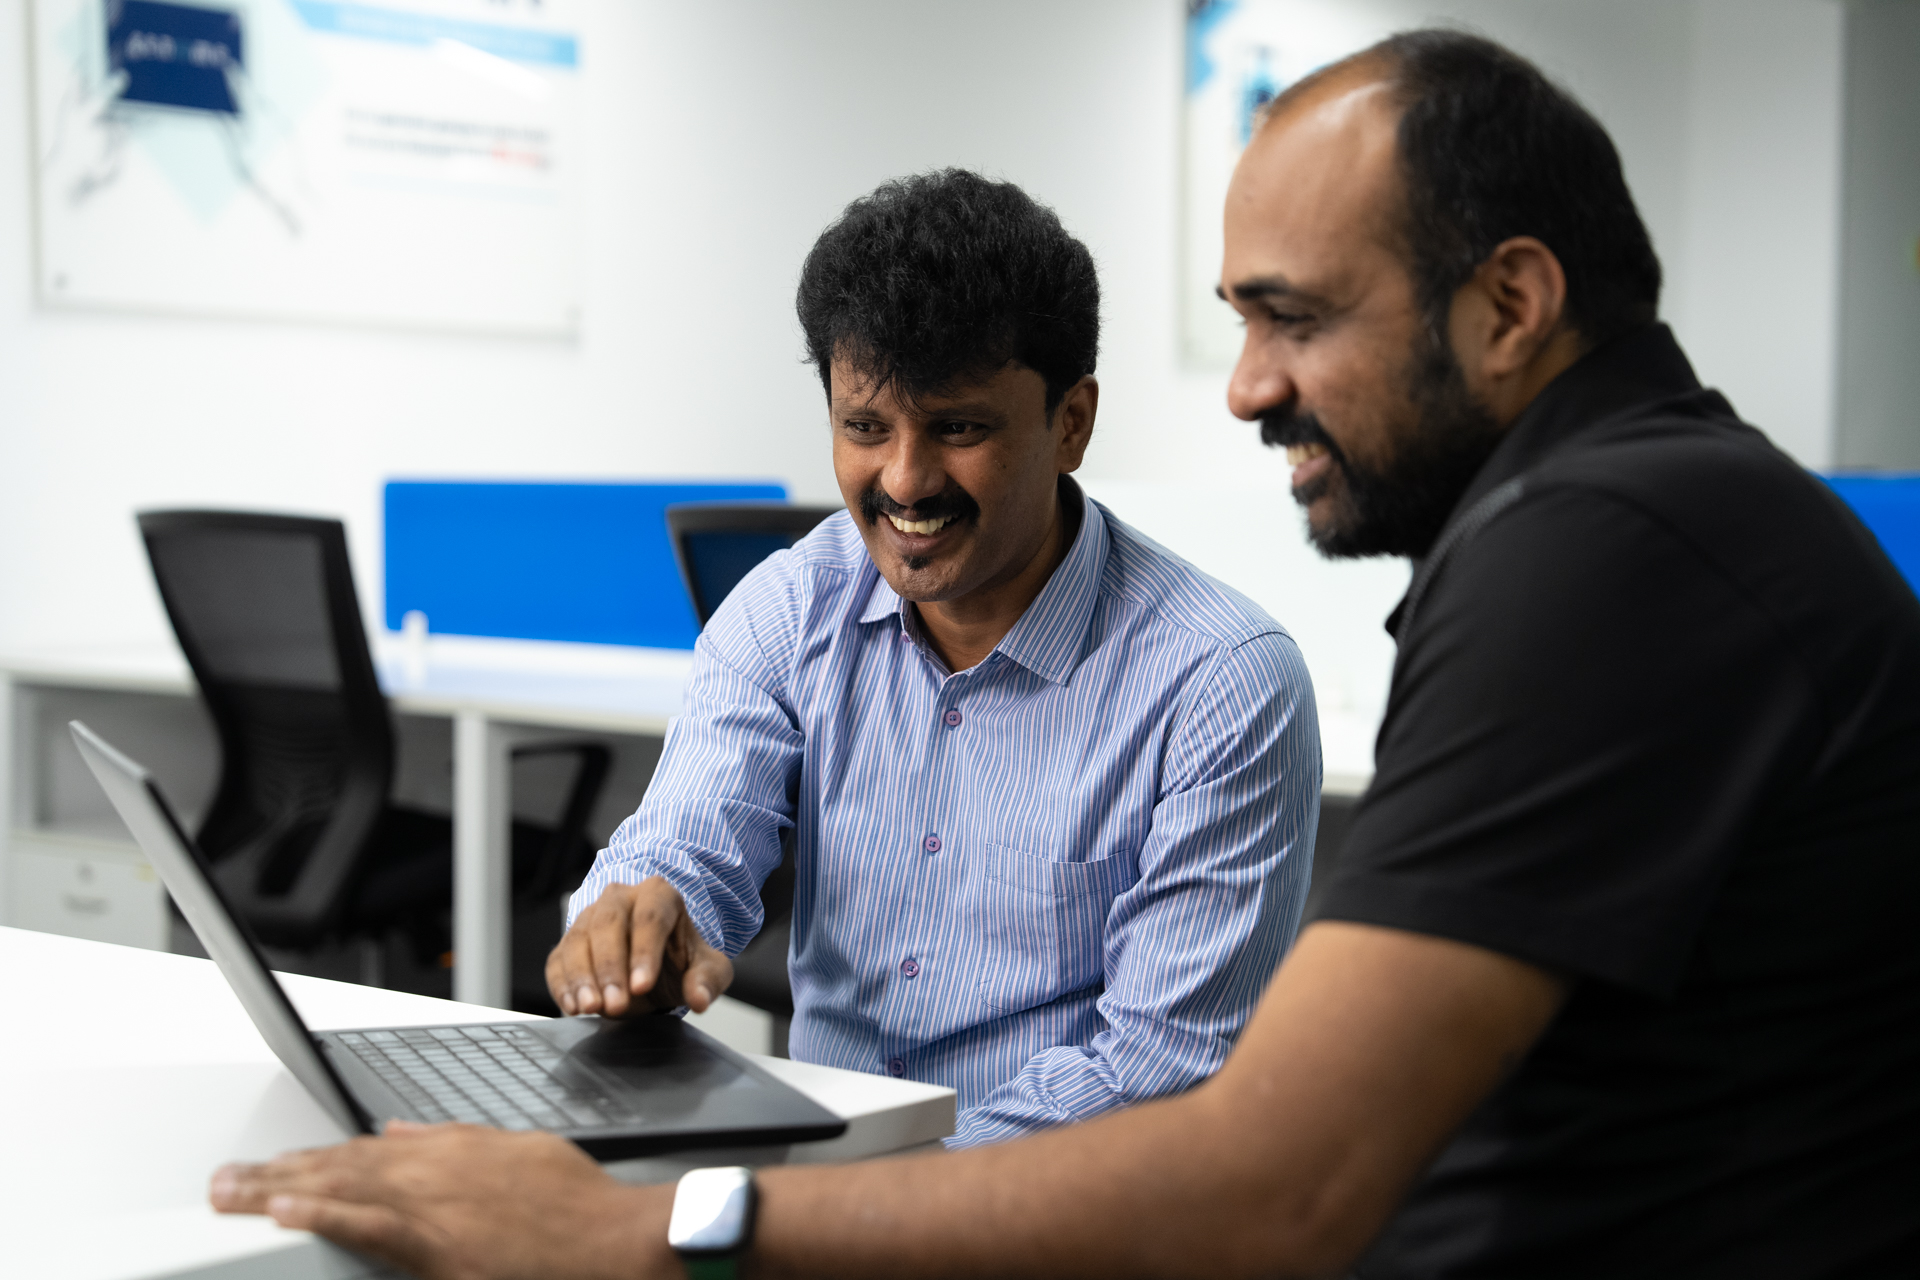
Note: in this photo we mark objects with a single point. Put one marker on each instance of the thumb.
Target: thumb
(708, 975)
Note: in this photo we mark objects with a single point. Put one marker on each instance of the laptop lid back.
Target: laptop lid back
(170, 850)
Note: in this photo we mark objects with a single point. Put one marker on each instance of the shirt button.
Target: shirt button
(910, 967)
(953, 717)
(896, 1067)
(931, 844)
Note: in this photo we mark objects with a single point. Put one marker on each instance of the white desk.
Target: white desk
(128, 1076)
(497, 694)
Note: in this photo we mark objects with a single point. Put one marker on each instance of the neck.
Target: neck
(1509, 399)
(964, 631)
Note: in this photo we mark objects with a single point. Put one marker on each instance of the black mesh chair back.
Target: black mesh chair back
(265, 611)
(719, 543)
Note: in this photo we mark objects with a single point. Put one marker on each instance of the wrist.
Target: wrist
(712, 1222)
(638, 1247)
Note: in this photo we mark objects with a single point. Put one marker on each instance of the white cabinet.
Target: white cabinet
(85, 888)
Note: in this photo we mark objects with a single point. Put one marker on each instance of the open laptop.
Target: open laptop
(614, 1088)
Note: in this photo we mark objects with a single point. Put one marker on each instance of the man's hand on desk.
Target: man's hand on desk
(635, 950)
(460, 1201)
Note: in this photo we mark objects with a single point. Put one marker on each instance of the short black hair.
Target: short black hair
(939, 278)
(1489, 149)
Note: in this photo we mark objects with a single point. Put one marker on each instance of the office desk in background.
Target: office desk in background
(70, 866)
(128, 1076)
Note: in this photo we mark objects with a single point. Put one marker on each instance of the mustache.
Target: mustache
(1287, 427)
(952, 501)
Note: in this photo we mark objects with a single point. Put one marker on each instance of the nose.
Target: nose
(1261, 381)
(914, 470)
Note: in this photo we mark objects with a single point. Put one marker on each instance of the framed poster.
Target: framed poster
(411, 163)
(1240, 54)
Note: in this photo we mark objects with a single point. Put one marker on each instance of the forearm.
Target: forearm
(1370, 1048)
(1162, 1190)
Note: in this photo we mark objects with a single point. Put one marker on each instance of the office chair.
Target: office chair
(717, 544)
(302, 837)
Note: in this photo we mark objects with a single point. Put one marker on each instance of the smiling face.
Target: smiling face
(1339, 366)
(957, 494)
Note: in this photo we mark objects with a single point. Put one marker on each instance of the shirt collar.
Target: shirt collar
(1051, 636)
(1641, 366)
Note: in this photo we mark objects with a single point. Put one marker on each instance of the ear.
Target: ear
(1073, 419)
(1507, 323)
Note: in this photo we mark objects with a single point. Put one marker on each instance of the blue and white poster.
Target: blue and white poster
(410, 163)
(1240, 54)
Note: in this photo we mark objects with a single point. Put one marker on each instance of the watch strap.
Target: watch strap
(709, 1267)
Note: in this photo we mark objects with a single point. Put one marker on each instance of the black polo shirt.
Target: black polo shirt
(1655, 726)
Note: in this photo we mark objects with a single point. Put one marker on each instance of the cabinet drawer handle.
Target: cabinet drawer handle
(84, 906)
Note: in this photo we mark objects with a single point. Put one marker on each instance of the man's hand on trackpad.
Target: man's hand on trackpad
(635, 950)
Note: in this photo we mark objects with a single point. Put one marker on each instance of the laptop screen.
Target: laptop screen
(147, 815)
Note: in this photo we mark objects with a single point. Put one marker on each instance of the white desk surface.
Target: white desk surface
(574, 686)
(128, 1076)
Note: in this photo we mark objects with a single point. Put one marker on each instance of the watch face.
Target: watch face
(712, 1211)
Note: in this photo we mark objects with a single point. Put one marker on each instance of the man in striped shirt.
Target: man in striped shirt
(1052, 791)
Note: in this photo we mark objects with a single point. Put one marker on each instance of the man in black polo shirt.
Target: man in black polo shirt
(1618, 975)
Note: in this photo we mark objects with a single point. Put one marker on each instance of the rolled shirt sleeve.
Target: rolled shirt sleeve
(723, 791)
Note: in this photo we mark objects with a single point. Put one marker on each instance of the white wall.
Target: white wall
(723, 137)
(1879, 406)
(1755, 265)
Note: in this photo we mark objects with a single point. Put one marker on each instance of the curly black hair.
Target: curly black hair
(940, 278)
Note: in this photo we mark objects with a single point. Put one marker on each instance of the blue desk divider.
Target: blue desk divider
(1890, 506)
(583, 562)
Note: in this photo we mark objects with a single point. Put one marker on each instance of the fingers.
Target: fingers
(597, 943)
(658, 918)
(706, 972)
(329, 1171)
(617, 952)
(236, 1189)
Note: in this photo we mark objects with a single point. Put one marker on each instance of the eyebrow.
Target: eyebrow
(1267, 288)
(969, 409)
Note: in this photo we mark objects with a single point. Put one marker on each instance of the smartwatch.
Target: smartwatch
(712, 1222)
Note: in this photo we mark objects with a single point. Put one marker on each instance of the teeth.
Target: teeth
(1299, 453)
(921, 526)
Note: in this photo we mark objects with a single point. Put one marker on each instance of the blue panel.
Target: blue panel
(174, 54)
(1890, 506)
(584, 562)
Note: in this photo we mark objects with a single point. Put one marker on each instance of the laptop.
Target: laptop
(616, 1089)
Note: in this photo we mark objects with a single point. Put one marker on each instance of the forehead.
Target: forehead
(1009, 390)
(1316, 196)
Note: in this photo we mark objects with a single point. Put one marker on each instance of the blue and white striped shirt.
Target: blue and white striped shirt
(1056, 882)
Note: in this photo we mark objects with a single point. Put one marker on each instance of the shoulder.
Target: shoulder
(1677, 491)
(768, 615)
(833, 551)
(828, 561)
(1689, 451)
(1158, 591)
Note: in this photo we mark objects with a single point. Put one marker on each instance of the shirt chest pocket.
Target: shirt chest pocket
(1042, 923)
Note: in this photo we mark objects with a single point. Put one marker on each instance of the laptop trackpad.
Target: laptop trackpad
(657, 1066)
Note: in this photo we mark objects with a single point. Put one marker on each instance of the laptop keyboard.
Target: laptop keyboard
(495, 1075)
